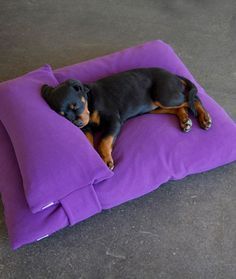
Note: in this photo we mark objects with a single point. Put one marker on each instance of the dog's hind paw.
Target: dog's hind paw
(187, 125)
(205, 121)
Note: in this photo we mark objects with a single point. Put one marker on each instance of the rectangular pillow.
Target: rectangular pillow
(25, 227)
(150, 150)
(54, 156)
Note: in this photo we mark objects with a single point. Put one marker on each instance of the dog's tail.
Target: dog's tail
(191, 90)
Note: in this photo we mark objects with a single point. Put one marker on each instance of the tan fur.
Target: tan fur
(95, 117)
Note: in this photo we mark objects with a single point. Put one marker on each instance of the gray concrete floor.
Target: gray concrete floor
(185, 229)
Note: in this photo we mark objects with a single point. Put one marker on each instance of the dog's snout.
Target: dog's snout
(78, 122)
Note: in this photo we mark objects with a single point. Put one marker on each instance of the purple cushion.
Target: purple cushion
(47, 166)
(149, 151)
(54, 157)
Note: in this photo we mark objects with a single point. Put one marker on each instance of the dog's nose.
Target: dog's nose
(79, 123)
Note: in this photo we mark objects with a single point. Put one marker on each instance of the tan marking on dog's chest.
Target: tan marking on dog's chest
(95, 117)
(89, 136)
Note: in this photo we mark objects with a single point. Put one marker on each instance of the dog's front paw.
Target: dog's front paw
(186, 125)
(205, 121)
(110, 165)
(109, 162)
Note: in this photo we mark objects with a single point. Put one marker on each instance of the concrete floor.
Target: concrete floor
(185, 229)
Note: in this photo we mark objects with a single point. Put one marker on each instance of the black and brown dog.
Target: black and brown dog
(107, 103)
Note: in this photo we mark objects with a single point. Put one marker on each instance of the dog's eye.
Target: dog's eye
(73, 106)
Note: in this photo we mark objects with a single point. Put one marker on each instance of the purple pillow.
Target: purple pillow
(54, 156)
(149, 151)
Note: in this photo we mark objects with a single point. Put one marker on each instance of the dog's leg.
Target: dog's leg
(89, 136)
(105, 149)
(107, 142)
(182, 114)
(88, 133)
(184, 120)
(204, 118)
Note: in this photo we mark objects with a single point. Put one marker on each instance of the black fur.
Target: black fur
(121, 96)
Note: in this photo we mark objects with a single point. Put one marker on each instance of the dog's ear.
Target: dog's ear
(78, 86)
(86, 89)
(46, 91)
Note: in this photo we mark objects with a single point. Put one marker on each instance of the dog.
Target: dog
(106, 104)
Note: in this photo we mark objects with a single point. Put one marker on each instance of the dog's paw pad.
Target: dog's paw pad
(187, 125)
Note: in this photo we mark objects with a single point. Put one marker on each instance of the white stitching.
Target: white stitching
(42, 237)
(48, 205)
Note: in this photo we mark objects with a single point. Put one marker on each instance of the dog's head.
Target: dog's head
(70, 100)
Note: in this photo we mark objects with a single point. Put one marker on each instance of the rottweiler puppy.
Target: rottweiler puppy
(106, 104)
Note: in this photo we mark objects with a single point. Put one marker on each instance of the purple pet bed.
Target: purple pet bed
(51, 177)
